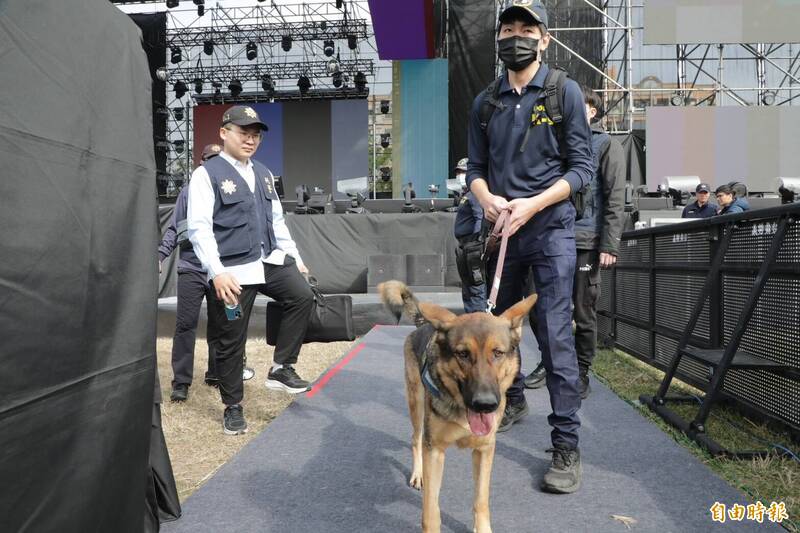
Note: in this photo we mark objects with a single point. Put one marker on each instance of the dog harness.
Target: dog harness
(425, 371)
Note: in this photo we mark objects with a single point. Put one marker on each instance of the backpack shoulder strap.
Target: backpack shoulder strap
(490, 102)
(554, 85)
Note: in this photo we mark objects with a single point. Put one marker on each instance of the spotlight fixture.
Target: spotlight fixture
(175, 55)
(179, 145)
(332, 66)
(177, 112)
(180, 89)
(337, 79)
(352, 41)
(386, 173)
(162, 73)
(268, 85)
(201, 7)
(304, 84)
(676, 99)
(386, 140)
(339, 4)
(172, 3)
(360, 81)
(235, 86)
(328, 48)
(323, 25)
(198, 85)
(217, 99)
(286, 43)
(251, 51)
(208, 47)
(385, 107)
(769, 98)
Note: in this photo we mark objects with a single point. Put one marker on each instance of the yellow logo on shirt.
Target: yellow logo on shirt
(539, 116)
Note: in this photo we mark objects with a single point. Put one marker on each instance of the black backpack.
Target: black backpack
(554, 85)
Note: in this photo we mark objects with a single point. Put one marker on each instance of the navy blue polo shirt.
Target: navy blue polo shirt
(495, 155)
(693, 210)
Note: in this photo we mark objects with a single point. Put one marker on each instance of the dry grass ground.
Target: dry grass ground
(193, 429)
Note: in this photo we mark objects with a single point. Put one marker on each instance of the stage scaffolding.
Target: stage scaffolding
(273, 74)
(635, 76)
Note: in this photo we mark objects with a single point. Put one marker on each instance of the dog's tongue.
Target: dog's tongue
(480, 423)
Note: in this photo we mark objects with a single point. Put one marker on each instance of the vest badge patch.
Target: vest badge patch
(228, 187)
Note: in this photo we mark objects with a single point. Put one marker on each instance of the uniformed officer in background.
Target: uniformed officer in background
(515, 164)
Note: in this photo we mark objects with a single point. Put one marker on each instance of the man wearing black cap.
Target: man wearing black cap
(516, 163)
(701, 207)
(238, 231)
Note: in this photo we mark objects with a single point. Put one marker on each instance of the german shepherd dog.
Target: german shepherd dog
(457, 371)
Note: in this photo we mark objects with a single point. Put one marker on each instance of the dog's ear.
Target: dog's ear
(439, 317)
(516, 314)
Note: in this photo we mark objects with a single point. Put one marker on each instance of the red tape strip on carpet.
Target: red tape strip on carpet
(333, 371)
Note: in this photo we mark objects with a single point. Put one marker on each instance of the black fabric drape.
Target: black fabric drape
(168, 279)
(471, 59)
(77, 275)
(634, 146)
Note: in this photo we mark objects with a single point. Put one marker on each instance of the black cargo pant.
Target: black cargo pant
(192, 287)
(586, 291)
(283, 283)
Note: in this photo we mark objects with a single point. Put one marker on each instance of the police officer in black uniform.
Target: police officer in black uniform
(238, 231)
(701, 207)
(515, 164)
(467, 231)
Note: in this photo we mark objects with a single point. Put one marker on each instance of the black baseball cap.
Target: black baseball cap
(242, 115)
(703, 187)
(527, 8)
(210, 151)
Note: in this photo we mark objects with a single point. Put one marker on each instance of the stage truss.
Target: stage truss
(637, 76)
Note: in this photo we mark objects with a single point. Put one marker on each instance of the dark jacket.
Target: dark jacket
(743, 203)
(732, 208)
(693, 210)
(469, 217)
(187, 260)
(601, 225)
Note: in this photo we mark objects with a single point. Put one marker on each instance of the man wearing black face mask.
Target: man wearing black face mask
(517, 164)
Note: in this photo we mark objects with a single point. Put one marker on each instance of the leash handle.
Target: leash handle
(502, 229)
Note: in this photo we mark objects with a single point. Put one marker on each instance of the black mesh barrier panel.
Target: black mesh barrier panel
(634, 340)
(634, 252)
(605, 328)
(633, 295)
(690, 247)
(675, 298)
(604, 301)
(680, 261)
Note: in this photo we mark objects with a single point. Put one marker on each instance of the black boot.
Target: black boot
(583, 382)
(179, 392)
(564, 476)
(512, 414)
(536, 379)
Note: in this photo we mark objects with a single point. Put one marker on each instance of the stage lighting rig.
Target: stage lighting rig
(361, 81)
(162, 73)
(235, 87)
(217, 99)
(180, 89)
(385, 107)
(769, 98)
(172, 4)
(333, 65)
(304, 84)
(286, 43)
(178, 112)
(269, 86)
(328, 48)
(208, 47)
(352, 41)
(337, 79)
(201, 7)
(198, 85)
(162, 111)
(175, 56)
(251, 51)
(179, 146)
(386, 140)
(677, 99)
(386, 174)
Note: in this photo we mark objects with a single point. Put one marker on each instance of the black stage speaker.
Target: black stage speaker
(425, 271)
(385, 267)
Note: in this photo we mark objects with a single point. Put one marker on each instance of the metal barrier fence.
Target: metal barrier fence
(648, 300)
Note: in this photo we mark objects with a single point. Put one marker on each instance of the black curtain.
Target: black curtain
(471, 59)
(77, 270)
(634, 146)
